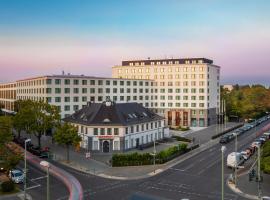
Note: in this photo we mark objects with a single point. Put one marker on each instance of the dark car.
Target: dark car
(226, 138)
(38, 152)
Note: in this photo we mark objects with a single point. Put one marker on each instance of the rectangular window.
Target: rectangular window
(67, 90)
(92, 82)
(84, 99)
(95, 131)
(67, 81)
(67, 108)
(48, 90)
(57, 90)
(84, 82)
(102, 131)
(57, 81)
(116, 131)
(67, 99)
(75, 99)
(48, 81)
(109, 131)
(57, 99)
(49, 99)
(126, 130)
(84, 90)
(75, 90)
(76, 82)
(100, 82)
(75, 107)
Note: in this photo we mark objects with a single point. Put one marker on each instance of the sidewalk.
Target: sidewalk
(80, 162)
(17, 196)
(250, 189)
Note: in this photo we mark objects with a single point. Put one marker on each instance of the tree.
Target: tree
(46, 117)
(24, 118)
(36, 117)
(67, 135)
(5, 130)
(9, 158)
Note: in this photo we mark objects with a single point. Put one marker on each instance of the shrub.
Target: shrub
(7, 186)
(134, 159)
(182, 139)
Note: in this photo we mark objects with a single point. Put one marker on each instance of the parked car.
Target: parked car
(267, 135)
(16, 176)
(246, 154)
(252, 149)
(39, 152)
(226, 138)
(234, 159)
(256, 144)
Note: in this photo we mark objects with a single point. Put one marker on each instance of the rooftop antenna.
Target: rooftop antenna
(63, 72)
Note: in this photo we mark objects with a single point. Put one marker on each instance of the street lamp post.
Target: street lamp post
(47, 165)
(223, 149)
(259, 172)
(236, 164)
(24, 185)
(155, 151)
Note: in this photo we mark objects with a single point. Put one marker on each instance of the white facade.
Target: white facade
(120, 138)
(186, 85)
(71, 93)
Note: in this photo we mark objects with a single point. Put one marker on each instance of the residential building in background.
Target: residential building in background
(186, 91)
(71, 92)
(7, 97)
(109, 126)
(228, 87)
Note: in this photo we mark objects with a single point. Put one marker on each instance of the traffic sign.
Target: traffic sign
(88, 155)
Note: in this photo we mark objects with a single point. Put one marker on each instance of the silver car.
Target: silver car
(16, 176)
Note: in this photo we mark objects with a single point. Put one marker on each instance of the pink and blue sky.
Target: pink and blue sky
(39, 37)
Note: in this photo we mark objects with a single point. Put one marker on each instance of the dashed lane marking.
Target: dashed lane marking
(35, 179)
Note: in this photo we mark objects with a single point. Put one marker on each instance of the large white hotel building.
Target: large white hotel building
(184, 91)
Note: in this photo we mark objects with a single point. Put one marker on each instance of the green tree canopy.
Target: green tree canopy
(36, 117)
(247, 101)
(66, 134)
(5, 130)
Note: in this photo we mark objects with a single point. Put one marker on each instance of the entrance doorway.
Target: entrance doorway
(106, 146)
(137, 142)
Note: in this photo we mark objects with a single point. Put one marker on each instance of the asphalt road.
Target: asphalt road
(197, 178)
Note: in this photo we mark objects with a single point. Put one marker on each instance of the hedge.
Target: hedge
(135, 159)
(182, 139)
(265, 160)
(226, 131)
(7, 186)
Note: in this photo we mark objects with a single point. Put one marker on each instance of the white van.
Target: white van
(234, 159)
(267, 135)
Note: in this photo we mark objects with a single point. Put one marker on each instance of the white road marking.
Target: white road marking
(181, 170)
(189, 166)
(34, 179)
(212, 164)
(35, 186)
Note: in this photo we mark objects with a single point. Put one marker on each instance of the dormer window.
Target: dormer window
(106, 120)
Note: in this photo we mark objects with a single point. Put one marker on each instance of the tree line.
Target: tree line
(36, 118)
(247, 102)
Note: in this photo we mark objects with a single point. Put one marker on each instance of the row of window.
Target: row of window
(166, 62)
(97, 82)
(143, 127)
(99, 90)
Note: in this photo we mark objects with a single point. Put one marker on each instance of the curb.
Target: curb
(239, 192)
(163, 168)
